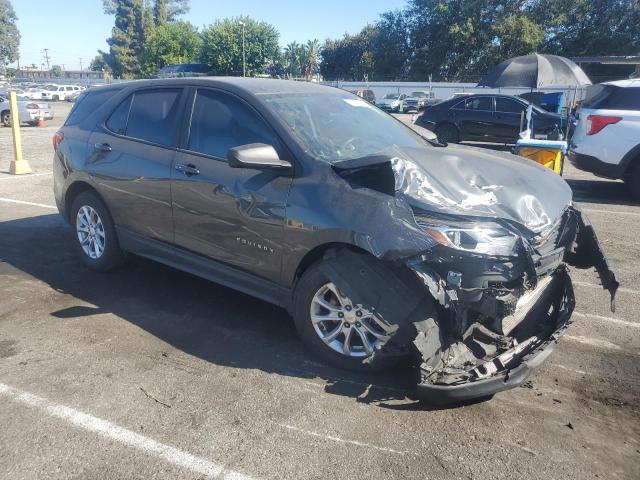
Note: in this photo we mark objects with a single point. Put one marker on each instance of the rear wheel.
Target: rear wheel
(447, 134)
(5, 118)
(55, 98)
(633, 182)
(94, 233)
(342, 333)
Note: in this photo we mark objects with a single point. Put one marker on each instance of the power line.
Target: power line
(46, 57)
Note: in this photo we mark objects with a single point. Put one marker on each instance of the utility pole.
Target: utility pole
(46, 57)
(244, 62)
(80, 63)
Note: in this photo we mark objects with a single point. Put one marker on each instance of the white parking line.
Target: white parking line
(22, 202)
(610, 212)
(624, 323)
(599, 287)
(121, 435)
(339, 440)
(17, 177)
(594, 342)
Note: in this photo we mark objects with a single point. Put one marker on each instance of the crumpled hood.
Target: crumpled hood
(470, 181)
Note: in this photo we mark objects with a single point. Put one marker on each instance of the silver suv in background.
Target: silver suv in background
(416, 101)
(606, 140)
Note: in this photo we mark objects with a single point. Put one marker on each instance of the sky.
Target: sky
(76, 29)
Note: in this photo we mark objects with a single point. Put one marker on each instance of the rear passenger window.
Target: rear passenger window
(117, 122)
(612, 97)
(220, 122)
(87, 103)
(152, 115)
(509, 106)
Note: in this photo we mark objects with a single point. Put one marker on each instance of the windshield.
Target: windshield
(418, 94)
(336, 127)
(391, 96)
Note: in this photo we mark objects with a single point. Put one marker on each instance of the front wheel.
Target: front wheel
(94, 233)
(342, 333)
(6, 118)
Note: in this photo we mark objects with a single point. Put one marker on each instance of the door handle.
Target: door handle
(188, 170)
(103, 147)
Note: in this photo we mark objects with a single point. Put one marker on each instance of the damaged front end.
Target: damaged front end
(499, 293)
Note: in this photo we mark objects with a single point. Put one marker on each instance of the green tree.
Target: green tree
(165, 11)
(9, 34)
(589, 27)
(177, 42)
(133, 25)
(56, 71)
(98, 64)
(349, 58)
(390, 46)
(222, 46)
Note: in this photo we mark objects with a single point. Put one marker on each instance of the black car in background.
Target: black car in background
(486, 118)
(380, 243)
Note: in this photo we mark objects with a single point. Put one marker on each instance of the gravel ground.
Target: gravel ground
(148, 372)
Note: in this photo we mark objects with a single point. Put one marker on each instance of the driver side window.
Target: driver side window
(220, 122)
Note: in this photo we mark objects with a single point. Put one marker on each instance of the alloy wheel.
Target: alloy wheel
(345, 327)
(90, 230)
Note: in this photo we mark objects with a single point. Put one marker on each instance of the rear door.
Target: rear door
(233, 215)
(131, 159)
(507, 119)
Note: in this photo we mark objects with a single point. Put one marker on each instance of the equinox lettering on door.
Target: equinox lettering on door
(259, 246)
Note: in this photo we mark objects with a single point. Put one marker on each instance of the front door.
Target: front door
(131, 161)
(475, 120)
(233, 215)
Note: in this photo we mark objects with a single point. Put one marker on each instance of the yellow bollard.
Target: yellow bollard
(18, 165)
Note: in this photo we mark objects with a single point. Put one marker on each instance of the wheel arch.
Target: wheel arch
(316, 253)
(630, 161)
(75, 189)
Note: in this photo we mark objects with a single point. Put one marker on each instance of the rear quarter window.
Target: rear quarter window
(615, 98)
(87, 103)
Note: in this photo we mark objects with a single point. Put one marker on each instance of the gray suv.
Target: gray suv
(383, 245)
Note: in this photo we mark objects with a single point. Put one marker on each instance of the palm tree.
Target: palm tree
(312, 49)
(292, 53)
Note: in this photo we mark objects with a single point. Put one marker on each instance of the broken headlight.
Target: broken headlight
(485, 238)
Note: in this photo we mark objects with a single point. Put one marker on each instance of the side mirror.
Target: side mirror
(259, 156)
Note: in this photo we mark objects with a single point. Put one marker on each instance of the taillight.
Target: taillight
(32, 106)
(57, 138)
(595, 123)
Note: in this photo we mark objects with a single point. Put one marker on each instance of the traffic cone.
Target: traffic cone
(41, 123)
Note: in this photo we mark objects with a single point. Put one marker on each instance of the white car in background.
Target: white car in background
(606, 140)
(29, 111)
(60, 92)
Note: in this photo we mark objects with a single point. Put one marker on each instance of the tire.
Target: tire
(6, 118)
(447, 133)
(103, 231)
(312, 282)
(633, 183)
(55, 98)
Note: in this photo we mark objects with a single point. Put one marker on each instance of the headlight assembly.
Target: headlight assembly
(485, 238)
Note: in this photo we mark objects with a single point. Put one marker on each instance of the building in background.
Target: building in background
(37, 74)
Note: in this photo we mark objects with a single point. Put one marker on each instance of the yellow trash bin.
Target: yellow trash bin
(548, 153)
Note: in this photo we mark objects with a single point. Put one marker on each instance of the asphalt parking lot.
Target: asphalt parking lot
(148, 372)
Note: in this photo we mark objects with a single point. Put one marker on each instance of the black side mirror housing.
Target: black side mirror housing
(259, 156)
